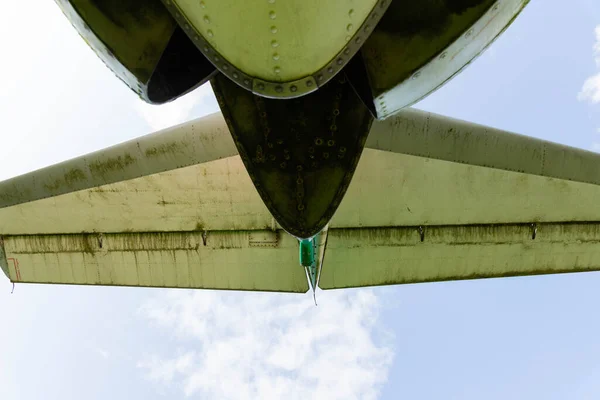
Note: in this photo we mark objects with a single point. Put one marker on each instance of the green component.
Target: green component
(307, 252)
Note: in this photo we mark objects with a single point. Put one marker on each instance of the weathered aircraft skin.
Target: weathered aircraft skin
(432, 199)
(344, 62)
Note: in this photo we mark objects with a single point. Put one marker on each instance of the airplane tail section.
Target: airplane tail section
(432, 199)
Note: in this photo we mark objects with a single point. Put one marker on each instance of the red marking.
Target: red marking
(16, 266)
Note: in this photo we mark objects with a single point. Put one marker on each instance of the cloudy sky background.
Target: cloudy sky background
(525, 338)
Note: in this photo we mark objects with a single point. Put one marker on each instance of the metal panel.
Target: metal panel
(191, 143)
(212, 196)
(424, 134)
(420, 45)
(376, 256)
(279, 51)
(265, 261)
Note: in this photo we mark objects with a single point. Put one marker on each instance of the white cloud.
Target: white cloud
(102, 353)
(591, 87)
(180, 110)
(264, 346)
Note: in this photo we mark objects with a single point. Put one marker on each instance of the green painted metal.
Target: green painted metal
(397, 255)
(422, 134)
(300, 154)
(432, 199)
(261, 260)
(419, 45)
(142, 44)
(192, 143)
(129, 36)
(283, 48)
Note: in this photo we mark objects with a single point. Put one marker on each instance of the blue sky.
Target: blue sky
(534, 337)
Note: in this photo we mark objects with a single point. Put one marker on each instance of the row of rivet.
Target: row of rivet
(277, 89)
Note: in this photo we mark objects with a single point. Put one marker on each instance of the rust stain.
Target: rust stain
(164, 149)
(16, 267)
(111, 165)
(69, 179)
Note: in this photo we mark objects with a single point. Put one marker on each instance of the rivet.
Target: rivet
(273, 29)
(196, 37)
(278, 89)
(206, 19)
(299, 168)
(357, 40)
(225, 67)
(351, 12)
(274, 43)
(202, 4)
(309, 83)
(177, 15)
(443, 55)
(382, 4)
(326, 155)
(374, 15)
(187, 27)
(333, 128)
(367, 27)
(260, 86)
(270, 145)
(330, 142)
(311, 149)
(300, 207)
(320, 77)
(272, 14)
(330, 70)
(299, 181)
(209, 33)
(339, 61)
(346, 51)
(349, 27)
(235, 75)
(293, 88)
(272, 157)
(496, 6)
(277, 70)
(336, 112)
(469, 32)
(275, 56)
(246, 81)
(342, 149)
(206, 49)
(282, 165)
(217, 59)
(318, 141)
(348, 38)
(416, 75)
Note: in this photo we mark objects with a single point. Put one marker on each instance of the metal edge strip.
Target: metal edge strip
(289, 89)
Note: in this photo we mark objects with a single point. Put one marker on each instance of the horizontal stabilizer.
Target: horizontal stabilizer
(194, 142)
(432, 199)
